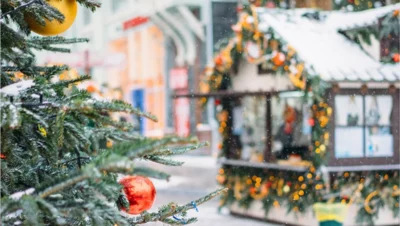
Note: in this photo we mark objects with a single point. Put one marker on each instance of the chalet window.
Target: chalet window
(365, 127)
(264, 69)
(224, 14)
(291, 130)
(249, 127)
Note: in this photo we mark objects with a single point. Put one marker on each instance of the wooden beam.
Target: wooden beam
(229, 94)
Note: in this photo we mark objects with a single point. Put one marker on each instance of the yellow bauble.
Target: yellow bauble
(68, 8)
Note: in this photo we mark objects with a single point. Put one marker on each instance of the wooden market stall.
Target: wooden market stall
(308, 114)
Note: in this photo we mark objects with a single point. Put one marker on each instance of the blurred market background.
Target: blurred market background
(146, 51)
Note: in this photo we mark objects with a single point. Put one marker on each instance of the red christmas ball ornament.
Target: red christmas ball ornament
(289, 183)
(2, 156)
(396, 57)
(217, 102)
(140, 193)
(268, 184)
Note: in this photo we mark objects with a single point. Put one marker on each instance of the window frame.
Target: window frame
(269, 156)
(395, 125)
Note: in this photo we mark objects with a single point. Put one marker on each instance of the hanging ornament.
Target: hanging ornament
(42, 131)
(253, 53)
(253, 50)
(2, 156)
(278, 59)
(140, 193)
(396, 57)
(367, 204)
(91, 89)
(258, 193)
(218, 61)
(296, 76)
(109, 143)
(18, 76)
(286, 189)
(68, 8)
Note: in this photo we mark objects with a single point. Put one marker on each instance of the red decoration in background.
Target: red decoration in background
(2, 156)
(279, 59)
(311, 122)
(289, 184)
(290, 118)
(91, 89)
(218, 60)
(217, 102)
(270, 4)
(140, 193)
(239, 9)
(269, 184)
(396, 57)
(135, 22)
(178, 78)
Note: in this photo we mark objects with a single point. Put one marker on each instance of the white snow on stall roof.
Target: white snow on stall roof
(331, 54)
(349, 20)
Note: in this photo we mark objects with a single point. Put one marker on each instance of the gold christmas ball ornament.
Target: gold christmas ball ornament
(68, 8)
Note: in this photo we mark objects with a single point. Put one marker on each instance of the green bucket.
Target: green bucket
(330, 223)
(331, 214)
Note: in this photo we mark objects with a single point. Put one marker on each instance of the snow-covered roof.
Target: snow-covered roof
(323, 48)
(347, 21)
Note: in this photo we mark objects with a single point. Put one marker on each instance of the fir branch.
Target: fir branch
(39, 69)
(172, 210)
(90, 4)
(177, 222)
(164, 161)
(21, 7)
(61, 186)
(139, 149)
(148, 172)
(46, 41)
(120, 106)
(148, 151)
(179, 150)
(35, 116)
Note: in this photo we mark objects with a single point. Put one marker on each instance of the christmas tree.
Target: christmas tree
(54, 168)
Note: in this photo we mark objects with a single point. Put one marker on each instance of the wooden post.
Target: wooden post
(87, 65)
(268, 155)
